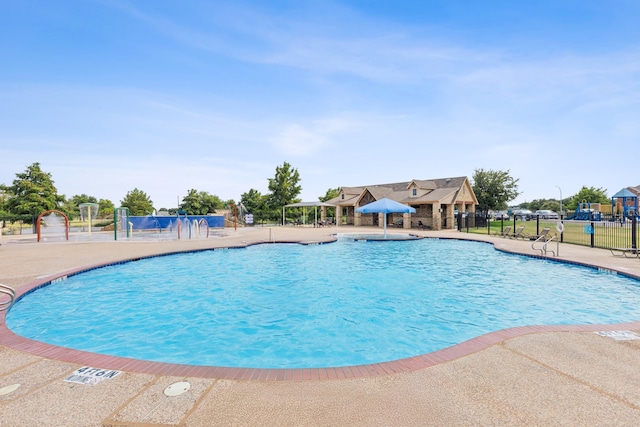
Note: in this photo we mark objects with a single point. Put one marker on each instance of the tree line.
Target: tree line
(495, 189)
(33, 192)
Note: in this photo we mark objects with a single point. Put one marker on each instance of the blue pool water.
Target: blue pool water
(294, 306)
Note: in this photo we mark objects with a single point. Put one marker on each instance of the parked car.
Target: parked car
(501, 216)
(523, 214)
(547, 214)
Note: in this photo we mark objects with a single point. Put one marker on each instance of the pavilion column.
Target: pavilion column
(406, 220)
(436, 216)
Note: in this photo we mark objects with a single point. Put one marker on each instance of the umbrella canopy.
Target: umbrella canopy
(385, 206)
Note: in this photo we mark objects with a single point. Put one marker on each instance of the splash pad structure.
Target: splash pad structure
(192, 229)
(174, 227)
(121, 225)
(88, 212)
(52, 225)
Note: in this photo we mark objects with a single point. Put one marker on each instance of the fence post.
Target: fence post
(634, 223)
(593, 231)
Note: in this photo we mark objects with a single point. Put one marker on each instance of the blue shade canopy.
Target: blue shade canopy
(385, 206)
(624, 193)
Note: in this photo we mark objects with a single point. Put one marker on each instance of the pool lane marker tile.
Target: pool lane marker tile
(91, 376)
(619, 335)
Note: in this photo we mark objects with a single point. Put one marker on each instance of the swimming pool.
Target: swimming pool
(294, 306)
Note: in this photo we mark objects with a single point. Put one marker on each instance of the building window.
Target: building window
(342, 196)
(415, 192)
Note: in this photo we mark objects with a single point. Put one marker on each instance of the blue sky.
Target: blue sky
(166, 96)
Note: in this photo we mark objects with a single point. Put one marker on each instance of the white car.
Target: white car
(547, 214)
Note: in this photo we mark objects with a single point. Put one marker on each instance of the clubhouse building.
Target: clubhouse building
(435, 202)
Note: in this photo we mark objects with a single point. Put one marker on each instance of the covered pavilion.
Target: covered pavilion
(305, 205)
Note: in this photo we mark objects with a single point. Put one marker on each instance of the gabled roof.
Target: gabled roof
(439, 195)
(442, 190)
(423, 184)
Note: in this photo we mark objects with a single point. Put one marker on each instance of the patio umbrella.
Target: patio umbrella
(385, 206)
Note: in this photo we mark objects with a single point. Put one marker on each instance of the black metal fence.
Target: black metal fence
(608, 232)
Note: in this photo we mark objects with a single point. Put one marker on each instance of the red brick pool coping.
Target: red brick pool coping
(63, 354)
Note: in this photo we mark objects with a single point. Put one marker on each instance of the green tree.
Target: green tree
(83, 198)
(32, 193)
(200, 203)
(590, 195)
(71, 207)
(211, 202)
(494, 189)
(256, 204)
(284, 186)
(4, 196)
(330, 194)
(105, 208)
(253, 201)
(138, 202)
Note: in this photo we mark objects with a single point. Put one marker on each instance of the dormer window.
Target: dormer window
(414, 192)
(342, 196)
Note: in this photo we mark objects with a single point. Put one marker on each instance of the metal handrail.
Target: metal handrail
(7, 290)
(546, 238)
(544, 247)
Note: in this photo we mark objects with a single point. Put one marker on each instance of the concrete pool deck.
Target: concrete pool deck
(533, 377)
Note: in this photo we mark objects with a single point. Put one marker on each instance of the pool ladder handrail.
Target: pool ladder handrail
(7, 290)
(543, 250)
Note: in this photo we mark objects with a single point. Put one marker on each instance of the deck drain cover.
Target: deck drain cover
(176, 389)
(8, 389)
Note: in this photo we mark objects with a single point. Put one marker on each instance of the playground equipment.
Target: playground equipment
(56, 224)
(586, 212)
(624, 204)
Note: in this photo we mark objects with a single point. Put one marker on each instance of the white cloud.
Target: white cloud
(305, 140)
